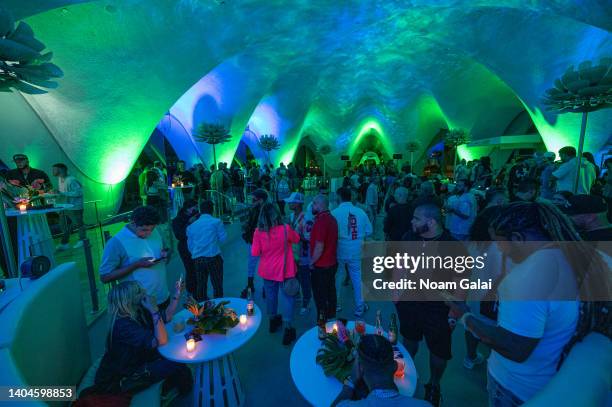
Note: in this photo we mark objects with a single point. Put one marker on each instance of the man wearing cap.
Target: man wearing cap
(259, 197)
(375, 365)
(302, 223)
(24, 175)
(353, 227)
(588, 212)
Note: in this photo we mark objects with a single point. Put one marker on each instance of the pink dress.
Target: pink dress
(270, 247)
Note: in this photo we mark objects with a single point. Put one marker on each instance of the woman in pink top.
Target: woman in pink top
(272, 243)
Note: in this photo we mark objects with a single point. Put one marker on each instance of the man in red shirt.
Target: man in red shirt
(323, 244)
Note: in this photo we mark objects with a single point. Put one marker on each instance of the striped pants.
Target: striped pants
(205, 266)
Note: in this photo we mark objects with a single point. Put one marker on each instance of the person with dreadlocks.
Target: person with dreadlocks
(374, 366)
(533, 328)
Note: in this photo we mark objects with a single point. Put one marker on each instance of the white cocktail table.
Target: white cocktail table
(178, 198)
(320, 390)
(216, 381)
(33, 234)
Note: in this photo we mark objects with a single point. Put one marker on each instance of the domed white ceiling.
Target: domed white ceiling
(330, 70)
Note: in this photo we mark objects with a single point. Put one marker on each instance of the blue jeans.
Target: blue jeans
(303, 276)
(499, 396)
(272, 288)
(252, 264)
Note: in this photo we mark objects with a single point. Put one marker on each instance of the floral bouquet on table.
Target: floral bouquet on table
(177, 180)
(210, 318)
(336, 355)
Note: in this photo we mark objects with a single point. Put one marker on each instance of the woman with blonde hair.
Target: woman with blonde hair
(131, 362)
(272, 242)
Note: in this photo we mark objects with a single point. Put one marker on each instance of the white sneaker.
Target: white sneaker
(304, 311)
(62, 247)
(78, 245)
(470, 363)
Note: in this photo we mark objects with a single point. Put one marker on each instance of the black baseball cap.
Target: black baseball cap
(19, 157)
(584, 204)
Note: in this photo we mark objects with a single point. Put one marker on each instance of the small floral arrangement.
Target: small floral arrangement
(336, 355)
(210, 318)
(18, 201)
(177, 180)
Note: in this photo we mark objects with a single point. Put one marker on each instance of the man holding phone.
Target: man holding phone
(136, 253)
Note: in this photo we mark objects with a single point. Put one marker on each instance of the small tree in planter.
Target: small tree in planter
(268, 142)
(582, 91)
(412, 147)
(213, 134)
(456, 138)
(22, 66)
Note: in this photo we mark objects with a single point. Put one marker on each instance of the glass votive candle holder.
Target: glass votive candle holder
(243, 320)
(23, 207)
(190, 344)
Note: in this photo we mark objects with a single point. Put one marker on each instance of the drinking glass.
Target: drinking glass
(360, 326)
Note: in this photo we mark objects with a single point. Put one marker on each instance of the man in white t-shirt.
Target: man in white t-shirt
(537, 316)
(137, 253)
(566, 173)
(461, 211)
(353, 227)
(70, 192)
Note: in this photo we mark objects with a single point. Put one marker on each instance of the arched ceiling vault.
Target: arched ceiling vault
(310, 67)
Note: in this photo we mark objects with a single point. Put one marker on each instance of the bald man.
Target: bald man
(323, 261)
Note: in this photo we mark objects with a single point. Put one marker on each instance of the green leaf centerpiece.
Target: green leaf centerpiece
(210, 318)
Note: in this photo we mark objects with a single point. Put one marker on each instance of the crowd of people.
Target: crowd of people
(313, 246)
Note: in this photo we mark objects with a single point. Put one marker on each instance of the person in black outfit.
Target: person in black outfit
(428, 319)
(185, 217)
(24, 175)
(259, 197)
(131, 362)
(398, 219)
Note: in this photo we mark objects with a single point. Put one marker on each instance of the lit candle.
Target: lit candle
(22, 207)
(190, 344)
(243, 320)
(173, 185)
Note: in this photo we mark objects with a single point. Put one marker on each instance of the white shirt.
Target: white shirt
(552, 322)
(353, 227)
(566, 173)
(126, 248)
(204, 236)
(72, 191)
(466, 204)
(372, 195)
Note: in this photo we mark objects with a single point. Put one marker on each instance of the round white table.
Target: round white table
(12, 290)
(33, 234)
(178, 198)
(320, 390)
(216, 381)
